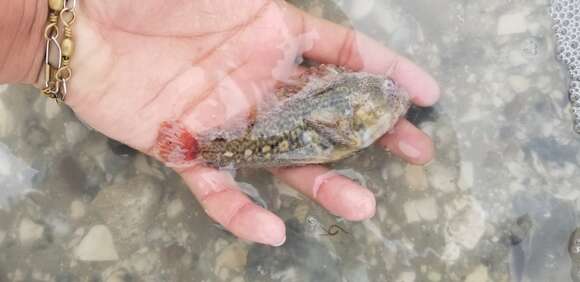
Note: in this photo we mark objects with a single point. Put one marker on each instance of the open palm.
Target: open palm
(139, 63)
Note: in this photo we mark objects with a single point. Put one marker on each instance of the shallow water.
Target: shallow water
(499, 203)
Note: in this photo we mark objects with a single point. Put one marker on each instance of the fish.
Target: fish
(326, 114)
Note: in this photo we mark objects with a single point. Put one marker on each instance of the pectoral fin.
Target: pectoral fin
(334, 132)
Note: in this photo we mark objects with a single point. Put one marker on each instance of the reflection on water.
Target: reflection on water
(15, 176)
(500, 202)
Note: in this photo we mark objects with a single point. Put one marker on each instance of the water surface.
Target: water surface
(499, 203)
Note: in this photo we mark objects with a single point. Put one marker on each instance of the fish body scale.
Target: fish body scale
(301, 129)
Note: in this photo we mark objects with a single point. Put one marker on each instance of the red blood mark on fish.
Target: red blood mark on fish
(175, 144)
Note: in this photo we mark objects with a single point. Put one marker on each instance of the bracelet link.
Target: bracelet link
(59, 24)
(56, 5)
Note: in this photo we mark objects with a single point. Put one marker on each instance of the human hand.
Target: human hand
(140, 63)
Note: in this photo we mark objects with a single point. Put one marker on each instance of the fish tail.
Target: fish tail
(175, 145)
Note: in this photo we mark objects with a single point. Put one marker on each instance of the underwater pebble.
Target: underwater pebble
(480, 274)
(358, 273)
(75, 132)
(238, 279)
(119, 275)
(51, 109)
(233, 258)
(361, 9)
(29, 232)
(421, 210)
(143, 263)
(406, 277)
(519, 83)
(144, 165)
(512, 23)
(6, 120)
(467, 227)
(97, 245)
(466, 178)
(434, 276)
(392, 170)
(442, 177)
(451, 253)
(416, 177)
(77, 209)
(16, 276)
(516, 58)
(301, 211)
(175, 208)
(129, 207)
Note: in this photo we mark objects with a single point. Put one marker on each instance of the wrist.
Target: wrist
(21, 40)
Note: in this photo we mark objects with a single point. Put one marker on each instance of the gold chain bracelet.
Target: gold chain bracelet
(58, 53)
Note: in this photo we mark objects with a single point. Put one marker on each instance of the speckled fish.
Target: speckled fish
(328, 114)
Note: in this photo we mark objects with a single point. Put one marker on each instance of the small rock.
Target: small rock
(6, 120)
(519, 83)
(119, 275)
(175, 208)
(416, 177)
(232, 258)
(301, 211)
(467, 227)
(421, 210)
(29, 232)
(51, 109)
(443, 178)
(129, 208)
(516, 58)
(466, 178)
(172, 253)
(361, 9)
(406, 277)
(97, 245)
(144, 165)
(480, 274)
(17, 276)
(512, 23)
(238, 279)
(392, 170)
(434, 276)
(2, 236)
(144, 262)
(77, 209)
(300, 259)
(34, 134)
(451, 253)
(358, 272)
(75, 132)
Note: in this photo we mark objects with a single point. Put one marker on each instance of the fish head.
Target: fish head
(377, 105)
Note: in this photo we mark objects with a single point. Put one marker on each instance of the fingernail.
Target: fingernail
(366, 208)
(409, 150)
(280, 243)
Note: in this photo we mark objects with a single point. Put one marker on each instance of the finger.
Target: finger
(338, 194)
(225, 203)
(409, 143)
(342, 46)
